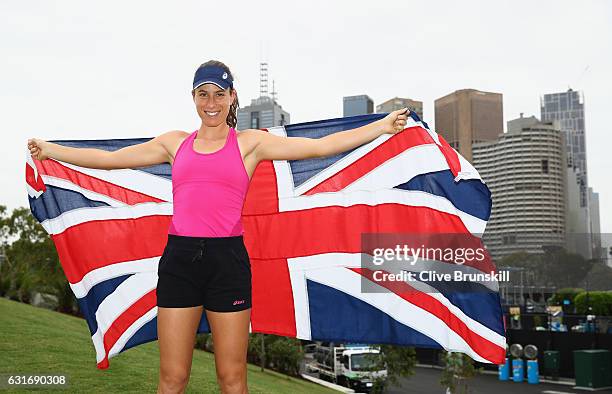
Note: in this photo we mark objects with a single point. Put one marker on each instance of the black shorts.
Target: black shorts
(213, 272)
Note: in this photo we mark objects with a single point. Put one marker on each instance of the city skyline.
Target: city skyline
(76, 74)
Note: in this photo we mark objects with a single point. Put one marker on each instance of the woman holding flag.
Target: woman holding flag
(205, 266)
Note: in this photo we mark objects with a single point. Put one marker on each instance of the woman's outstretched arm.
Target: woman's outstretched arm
(273, 147)
(154, 151)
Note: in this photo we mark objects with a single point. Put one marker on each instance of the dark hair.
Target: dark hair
(232, 119)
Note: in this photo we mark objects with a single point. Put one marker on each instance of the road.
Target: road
(426, 380)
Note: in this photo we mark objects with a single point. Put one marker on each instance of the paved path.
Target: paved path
(427, 381)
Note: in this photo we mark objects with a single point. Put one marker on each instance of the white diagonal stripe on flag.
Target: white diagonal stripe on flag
(78, 216)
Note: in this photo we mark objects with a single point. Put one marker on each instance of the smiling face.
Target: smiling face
(213, 103)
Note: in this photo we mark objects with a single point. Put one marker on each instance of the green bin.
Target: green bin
(593, 368)
(552, 363)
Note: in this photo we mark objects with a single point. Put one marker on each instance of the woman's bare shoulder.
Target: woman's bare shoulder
(250, 134)
(247, 131)
(171, 141)
(172, 138)
(173, 135)
(248, 140)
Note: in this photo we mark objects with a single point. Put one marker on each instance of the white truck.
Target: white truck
(350, 365)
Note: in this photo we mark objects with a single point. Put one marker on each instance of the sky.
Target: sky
(123, 69)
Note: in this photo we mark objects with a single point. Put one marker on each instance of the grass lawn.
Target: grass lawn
(38, 341)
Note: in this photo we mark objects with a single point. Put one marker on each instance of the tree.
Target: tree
(554, 267)
(594, 303)
(19, 278)
(399, 361)
(564, 269)
(458, 369)
(564, 294)
(599, 277)
(282, 354)
(31, 262)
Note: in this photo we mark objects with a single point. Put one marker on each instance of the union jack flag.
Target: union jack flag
(303, 225)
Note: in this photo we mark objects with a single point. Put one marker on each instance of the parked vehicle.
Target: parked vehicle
(351, 365)
(309, 348)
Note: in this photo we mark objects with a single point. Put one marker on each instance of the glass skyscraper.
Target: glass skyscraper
(568, 109)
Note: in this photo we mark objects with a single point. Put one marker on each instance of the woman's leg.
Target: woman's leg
(176, 332)
(230, 331)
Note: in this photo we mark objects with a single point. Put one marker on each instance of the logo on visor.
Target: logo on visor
(224, 75)
(238, 302)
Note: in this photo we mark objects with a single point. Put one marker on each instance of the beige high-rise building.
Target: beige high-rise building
(526, 171)
(467, 116)
(399, 103)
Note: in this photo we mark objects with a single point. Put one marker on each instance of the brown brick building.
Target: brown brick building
(467, 116)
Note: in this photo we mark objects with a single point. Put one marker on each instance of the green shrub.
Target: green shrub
(284, 355)
(599, 301)
(568, 293)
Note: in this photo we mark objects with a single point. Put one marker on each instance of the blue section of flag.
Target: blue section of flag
(356, 321)
(303, 170)
(470, 195)
(90, 303)
(203, 327)
(56, 200)
(474, 303)
(146, 333)
(472, 298)
(416, 118)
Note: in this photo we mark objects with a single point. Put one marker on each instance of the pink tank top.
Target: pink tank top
(208, 190)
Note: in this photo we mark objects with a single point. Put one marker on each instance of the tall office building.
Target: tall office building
(568, 109)
(357, 105)
(525, 169)
(264, 111)
(595, 229)
(578, 218)
(399, 103)
(468, 116)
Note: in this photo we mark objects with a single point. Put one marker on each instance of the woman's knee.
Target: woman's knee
(173, 380)
(232, 380)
